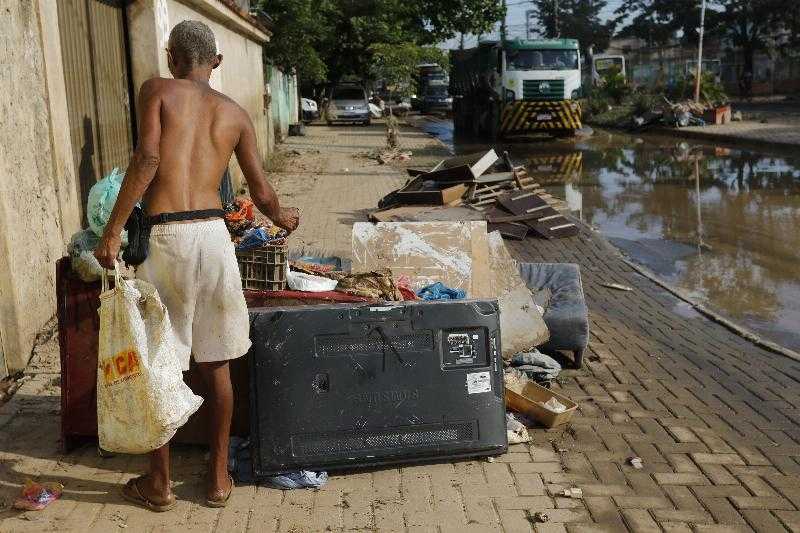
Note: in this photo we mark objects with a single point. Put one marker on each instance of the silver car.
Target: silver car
(348, 103)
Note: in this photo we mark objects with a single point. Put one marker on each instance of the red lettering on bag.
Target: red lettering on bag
(123, 366)
(108, 372)
(133, 363)
(120, 361)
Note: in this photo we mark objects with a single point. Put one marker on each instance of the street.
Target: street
(713, 417)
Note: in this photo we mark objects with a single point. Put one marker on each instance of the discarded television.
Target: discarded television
(342, 386)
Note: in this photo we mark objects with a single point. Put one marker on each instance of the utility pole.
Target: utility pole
(503, 23)
(528, 18)
(700, 51)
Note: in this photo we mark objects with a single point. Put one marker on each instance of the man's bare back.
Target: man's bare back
(200, 129)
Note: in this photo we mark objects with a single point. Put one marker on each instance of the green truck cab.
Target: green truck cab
(515, 87)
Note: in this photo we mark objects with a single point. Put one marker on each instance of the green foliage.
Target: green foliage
(396, 64)
(299, 28)
(711, 92)
(614, 86)
(597, 105)
(327, 40)
(576, 19)
(656, 21)
(643, 102)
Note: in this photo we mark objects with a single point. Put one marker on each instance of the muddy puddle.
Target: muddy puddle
(722, 223)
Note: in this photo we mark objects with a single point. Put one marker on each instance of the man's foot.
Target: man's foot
(218, 496)
(140, 490)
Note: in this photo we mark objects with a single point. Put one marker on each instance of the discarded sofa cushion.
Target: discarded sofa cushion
(565, 311)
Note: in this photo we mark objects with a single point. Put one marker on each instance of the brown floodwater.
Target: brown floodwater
(720, 222)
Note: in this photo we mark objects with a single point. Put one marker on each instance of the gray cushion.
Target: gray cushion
(566, 314)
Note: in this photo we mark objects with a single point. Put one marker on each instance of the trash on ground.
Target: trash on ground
(522, 326)
(438, 291)
(537, 366)
(617, 286)
(516, 431)
(36, 496)
(554, 405)
(573, 492)
(533, 402)
(541, 516)
(636, 462)
(240, 465)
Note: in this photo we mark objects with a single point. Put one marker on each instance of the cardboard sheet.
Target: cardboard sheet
(521, 324)
(455, 253)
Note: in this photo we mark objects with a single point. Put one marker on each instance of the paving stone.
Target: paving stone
(763, 502)
(762, 520)
(639, 520)
(642, 502)
(718, 458)
(681, 479)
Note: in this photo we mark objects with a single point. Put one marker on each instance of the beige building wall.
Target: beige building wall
(38, 191)
(241, 75)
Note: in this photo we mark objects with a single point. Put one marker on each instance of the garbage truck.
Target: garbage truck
(516, 87)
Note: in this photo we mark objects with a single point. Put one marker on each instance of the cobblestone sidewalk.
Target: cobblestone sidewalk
(714, 418)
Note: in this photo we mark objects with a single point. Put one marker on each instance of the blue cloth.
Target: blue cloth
(240, 465)
(438, 291)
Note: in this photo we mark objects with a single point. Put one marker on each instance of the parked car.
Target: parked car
(310, 109)
(348, 103)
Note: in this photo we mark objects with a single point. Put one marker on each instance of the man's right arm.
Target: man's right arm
(261, 192)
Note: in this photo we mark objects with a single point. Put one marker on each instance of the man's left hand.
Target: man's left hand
(107, 250)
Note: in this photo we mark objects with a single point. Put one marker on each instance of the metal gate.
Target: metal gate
(94, 48)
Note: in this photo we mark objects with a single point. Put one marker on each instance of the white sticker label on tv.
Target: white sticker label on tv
(478, 382)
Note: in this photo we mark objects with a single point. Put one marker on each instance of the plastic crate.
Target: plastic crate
(263, 269)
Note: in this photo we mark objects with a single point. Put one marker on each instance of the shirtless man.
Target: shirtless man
(187, 134)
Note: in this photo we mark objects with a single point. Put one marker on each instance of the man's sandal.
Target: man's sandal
(133, 494)
(222, 500)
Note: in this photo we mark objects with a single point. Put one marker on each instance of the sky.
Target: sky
(516, 21)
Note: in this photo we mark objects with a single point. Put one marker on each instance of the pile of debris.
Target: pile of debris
(478, 186)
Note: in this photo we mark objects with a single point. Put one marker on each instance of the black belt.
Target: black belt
(182, 216)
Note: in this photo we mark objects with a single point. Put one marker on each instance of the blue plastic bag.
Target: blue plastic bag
(102, 197)
(438, 291)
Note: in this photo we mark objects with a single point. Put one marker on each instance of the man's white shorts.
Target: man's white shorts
(193, 266)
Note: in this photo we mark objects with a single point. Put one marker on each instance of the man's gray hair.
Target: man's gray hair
(192, 43)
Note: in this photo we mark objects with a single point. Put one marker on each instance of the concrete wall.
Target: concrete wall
(38, 191)
(284, 105)
(241, 74)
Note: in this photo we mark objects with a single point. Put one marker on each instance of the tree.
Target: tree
(658, 21)
(397, 64)
(327, 40)
(299, 27)
(751, 24)
(576, 19)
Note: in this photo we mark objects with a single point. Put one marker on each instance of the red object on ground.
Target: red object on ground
(36, 496)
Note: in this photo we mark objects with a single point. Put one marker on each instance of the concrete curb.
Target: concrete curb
(709, 136)
(713, 315)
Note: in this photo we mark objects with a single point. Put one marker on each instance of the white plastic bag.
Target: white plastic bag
(300, 281)
(141, 397)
